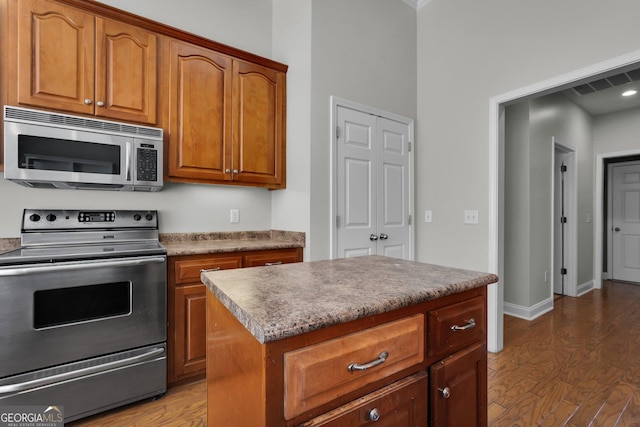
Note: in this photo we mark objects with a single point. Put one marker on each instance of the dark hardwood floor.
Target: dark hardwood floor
(578, 365)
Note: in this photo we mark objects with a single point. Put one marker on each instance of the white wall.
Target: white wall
(468, 52)
(617, 132)
(363, 51)
(183, 207)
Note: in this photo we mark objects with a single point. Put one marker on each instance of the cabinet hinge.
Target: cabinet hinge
(563, 271)
(337, 132)
(409, 219)
(337, 221)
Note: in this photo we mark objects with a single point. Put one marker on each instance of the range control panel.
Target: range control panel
(58, 219)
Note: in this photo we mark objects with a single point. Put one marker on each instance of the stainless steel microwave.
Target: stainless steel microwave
(51, 150)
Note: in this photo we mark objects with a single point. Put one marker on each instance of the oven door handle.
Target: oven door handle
(81, 265)
(40, 382)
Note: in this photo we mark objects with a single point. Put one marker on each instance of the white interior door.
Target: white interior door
(626, 222)
(373, 185)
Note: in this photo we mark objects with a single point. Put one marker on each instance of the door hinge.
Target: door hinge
(337, 132)
(563, 271)
(409, 219)
(563, 168)
(337, 221)
(409, 146)
(563, 220)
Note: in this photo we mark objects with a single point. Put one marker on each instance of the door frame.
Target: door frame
(609, 204)
(336, 102)
(495, 323)
(571, 231)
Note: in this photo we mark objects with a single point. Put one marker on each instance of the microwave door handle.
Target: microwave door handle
(127, 160)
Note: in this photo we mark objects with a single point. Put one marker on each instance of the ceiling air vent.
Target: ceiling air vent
(607, 82)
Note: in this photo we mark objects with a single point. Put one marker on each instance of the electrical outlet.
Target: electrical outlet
(235, 216)
(470, 217)
(428, 216)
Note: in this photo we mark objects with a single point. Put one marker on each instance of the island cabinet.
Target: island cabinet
(187, 304)
(68, 59)
(422, 363)
(226, 118)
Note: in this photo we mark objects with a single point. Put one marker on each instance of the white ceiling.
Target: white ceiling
(606, 91)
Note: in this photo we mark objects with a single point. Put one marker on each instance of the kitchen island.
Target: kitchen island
(347, 342)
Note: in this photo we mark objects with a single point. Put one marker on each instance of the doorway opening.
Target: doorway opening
(564, 220)
(496, 192)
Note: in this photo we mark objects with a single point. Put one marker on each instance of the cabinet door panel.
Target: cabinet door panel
(55, 66)
(190, 315)
(126, 72)
(258, 117)
(458, 392)
(200, 113)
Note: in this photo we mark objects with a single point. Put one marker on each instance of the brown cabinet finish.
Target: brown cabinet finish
(257, 391)
(71, 60)
(186, 334)
(226, 118)
(272, 257)
(400, 404)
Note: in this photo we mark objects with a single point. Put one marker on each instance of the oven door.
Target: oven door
(57, 313)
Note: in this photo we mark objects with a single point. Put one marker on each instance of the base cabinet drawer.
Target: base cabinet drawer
(401, 404)
(320, 373)
(457, 326)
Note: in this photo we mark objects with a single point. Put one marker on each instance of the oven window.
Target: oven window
(63, 306)
(53, 154)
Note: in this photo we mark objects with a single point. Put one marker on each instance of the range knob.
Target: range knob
(51, 217)
(137, 217)
(34, 217)
(149, 217)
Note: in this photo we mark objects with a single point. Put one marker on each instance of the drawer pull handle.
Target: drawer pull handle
(206, 270)
(273, 263)
(382, 357)
(374, 414)
(445, 392)
(471, 324)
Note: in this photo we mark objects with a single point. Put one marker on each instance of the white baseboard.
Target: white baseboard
(528, 313)
(585, 287)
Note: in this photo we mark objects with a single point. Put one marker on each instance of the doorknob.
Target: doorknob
(383, 236)
(617, 229)
(373, 237)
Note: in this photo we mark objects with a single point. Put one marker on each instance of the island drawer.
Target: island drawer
(320, 373)
(188, 270)
(403, 403)
(456, 326)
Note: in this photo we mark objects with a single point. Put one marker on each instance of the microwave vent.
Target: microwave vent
(36, 116)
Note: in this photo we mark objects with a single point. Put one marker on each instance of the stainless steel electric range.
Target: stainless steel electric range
(83, 311)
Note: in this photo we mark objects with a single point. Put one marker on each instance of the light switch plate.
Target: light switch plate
(235, 216)
(470, 217)
(428, 216)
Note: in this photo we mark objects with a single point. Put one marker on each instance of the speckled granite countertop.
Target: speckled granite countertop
(207, 243)
(282, 301)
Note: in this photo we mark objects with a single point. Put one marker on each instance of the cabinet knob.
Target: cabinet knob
(100, 104)
(445, 392)
(374, 414)
(87, 101)
(235, 171)
(227, 171)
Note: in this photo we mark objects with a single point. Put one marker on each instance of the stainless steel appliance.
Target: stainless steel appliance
(83, 311)
(51, 150)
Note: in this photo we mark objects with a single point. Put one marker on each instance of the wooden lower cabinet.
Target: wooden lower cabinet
(186, 313)
(401, 404)
(434, 373)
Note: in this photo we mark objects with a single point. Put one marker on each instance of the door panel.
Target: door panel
(356, 169)
(626, 223)
(373, 191)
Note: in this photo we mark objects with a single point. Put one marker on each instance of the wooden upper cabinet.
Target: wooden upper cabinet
(259, 124)
(199, 107)
(226, 118)
(74, 61)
